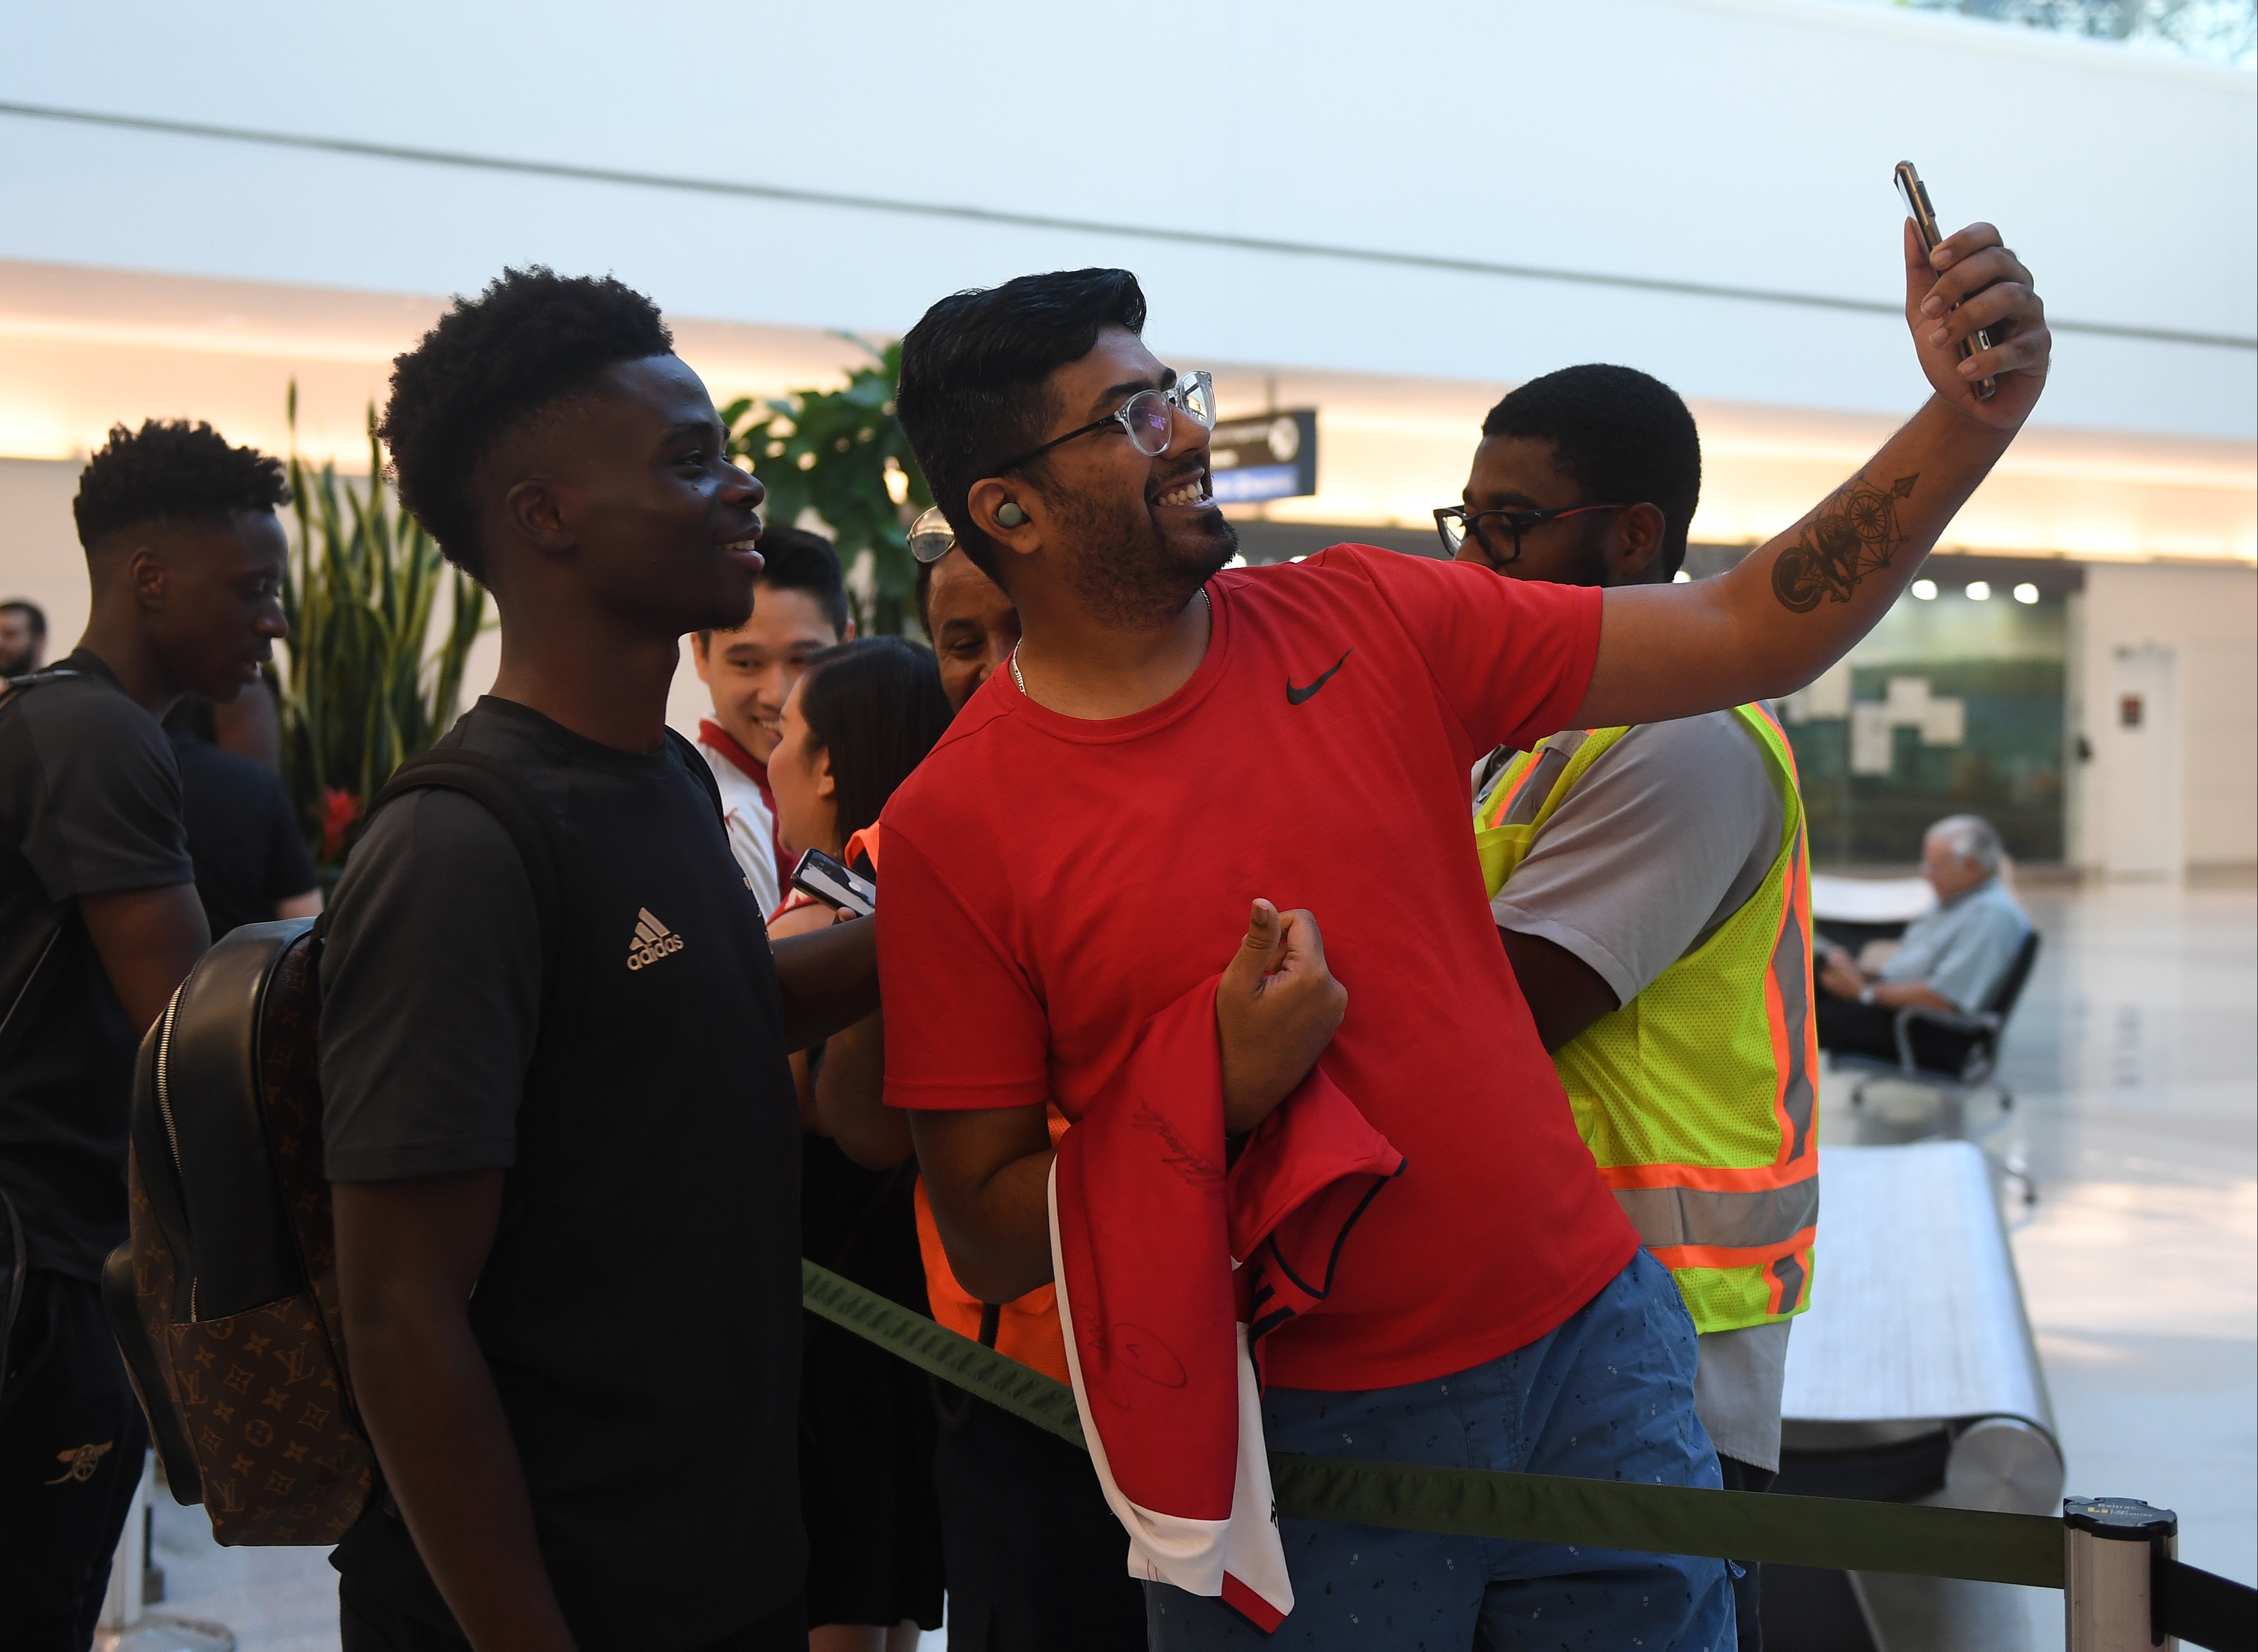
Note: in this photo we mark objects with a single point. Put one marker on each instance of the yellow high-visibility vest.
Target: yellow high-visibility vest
(1698, 1098)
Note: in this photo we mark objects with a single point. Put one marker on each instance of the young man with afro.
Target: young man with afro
(99, 921)
(564, 1144)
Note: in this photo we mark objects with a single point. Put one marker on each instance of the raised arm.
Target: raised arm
(1797, 604)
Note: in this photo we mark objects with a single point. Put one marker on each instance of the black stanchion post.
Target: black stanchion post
(2111, 1547)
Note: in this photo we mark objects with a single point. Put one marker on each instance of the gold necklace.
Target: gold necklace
(1022, 681)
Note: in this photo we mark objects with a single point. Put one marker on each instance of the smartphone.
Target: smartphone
(1915, 194)
(835, 884)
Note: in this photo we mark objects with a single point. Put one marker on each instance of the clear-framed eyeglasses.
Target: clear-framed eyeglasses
(931, 537)
(1149, 417)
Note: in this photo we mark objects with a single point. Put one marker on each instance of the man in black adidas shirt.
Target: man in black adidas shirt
(584, 1116)
(98, 922)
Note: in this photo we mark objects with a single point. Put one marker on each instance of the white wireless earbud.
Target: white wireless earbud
(1008, 515)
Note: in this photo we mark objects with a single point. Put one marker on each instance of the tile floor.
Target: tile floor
(2134, 1062)
(2134, 1058)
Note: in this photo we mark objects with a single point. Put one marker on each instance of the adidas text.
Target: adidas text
(653, 940)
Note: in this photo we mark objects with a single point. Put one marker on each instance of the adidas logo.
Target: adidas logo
(653, 940)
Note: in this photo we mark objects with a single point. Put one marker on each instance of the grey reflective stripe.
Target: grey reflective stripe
(1791, 968)
(1666, 1217)
(1555, 754)
(1788, 1270)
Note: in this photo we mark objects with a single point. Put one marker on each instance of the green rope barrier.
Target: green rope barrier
(1840, 1533)
(1027, 1394)
(1837, 1533)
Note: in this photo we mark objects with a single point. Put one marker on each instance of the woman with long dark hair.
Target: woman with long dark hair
(865, 713)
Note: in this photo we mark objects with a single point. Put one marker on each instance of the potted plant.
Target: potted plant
(363, 684)
(841, 454)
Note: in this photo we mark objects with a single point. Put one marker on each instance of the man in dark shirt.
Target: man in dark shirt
(585, 1114)
(23, 637)
(98, 923)
(252, 866)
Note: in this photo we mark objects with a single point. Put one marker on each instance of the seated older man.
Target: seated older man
(1951, 959)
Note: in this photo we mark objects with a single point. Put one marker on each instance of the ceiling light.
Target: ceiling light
(2027, 592)
(1979, 590)
(1925, 590)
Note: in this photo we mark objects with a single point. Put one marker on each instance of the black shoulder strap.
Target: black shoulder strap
(687, 755)
(27, 999)
(507, 795)
(12, 686)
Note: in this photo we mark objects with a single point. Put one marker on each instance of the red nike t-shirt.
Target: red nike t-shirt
(1051, 882)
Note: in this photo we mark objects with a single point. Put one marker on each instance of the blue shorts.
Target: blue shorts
(1608, 1395)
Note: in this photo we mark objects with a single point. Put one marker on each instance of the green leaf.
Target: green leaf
(365, 683)
(830, 453)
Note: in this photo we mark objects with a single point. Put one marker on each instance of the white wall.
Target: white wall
(2207, 615)
(2208, 618)
(40, 559)
(1744, 142)
(39, 556)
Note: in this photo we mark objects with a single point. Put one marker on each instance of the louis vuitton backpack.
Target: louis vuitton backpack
(224, 1298)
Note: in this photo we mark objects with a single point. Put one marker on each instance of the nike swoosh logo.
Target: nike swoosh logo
(1296, 696)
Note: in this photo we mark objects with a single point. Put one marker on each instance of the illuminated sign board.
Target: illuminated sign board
(1268, 455)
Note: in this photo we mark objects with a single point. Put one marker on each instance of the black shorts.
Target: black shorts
(72, 1442)
(1036, 1560)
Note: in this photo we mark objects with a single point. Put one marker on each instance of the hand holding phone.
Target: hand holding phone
(1915, 194)
(835, 884)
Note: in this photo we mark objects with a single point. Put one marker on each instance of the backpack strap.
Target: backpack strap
(510, 799)
(25, 1006)
(16, 1263)
(34, 679)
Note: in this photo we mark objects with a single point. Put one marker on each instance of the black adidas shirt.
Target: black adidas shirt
(641, 1309)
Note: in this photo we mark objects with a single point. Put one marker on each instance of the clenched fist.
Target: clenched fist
(1275, 1010)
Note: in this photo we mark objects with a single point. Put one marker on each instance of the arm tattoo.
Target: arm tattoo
(1854, 533)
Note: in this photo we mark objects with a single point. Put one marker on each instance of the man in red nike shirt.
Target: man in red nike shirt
(1172, 736)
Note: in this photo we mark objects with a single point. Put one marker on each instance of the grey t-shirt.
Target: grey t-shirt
(1664, 838)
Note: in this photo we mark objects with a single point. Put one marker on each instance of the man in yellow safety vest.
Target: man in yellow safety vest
(1650, 887)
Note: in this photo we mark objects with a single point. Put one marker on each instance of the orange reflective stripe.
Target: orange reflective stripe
(1787, 747)
(1787, 1002)
(1776, 1023)
(1710, 1177)
(1678, 1256)
(1502, 799)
